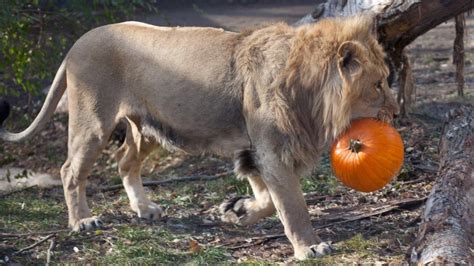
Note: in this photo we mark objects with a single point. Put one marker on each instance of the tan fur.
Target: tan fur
(279, 93)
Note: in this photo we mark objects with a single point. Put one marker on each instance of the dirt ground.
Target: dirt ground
(377, 227)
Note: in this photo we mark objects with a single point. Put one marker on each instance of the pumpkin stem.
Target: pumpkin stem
(355, 145)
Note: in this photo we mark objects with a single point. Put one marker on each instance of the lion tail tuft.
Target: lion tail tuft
(4, 111)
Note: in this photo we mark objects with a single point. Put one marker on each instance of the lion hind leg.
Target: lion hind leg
(248, 210)
(130, 157)
(84, 146)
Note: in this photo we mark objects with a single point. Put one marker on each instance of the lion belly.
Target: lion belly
(175, 81)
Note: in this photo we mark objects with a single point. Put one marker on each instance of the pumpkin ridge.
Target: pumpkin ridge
(371, 180)
(382, 165)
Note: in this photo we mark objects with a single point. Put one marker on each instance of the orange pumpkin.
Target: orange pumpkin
(367, 155)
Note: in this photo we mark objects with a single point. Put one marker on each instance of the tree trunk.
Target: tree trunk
(458, 53)
(446, 234)
(407, 85)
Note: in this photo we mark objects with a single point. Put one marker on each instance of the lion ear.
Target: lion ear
(348, 60)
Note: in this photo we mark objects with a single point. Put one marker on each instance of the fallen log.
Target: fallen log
(446, 233)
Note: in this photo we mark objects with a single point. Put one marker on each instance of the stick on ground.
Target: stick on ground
(171, 180)
(11, 235)
(33, 245)
(52, 245)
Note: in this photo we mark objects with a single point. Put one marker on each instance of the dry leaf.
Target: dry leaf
(194, 246)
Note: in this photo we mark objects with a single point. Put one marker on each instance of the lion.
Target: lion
(271, 98)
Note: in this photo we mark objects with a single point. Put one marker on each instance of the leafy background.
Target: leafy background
(35, 36)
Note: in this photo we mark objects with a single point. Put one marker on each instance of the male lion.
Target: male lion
(271, 98)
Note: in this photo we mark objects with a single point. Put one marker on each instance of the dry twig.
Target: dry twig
(52, 245)
(33, 245)
(257, 241)
(7, 235)
(171, 180)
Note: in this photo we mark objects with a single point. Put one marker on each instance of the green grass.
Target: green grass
(321, 180)
(25, 211)
(151, 246)
(5, 157)
(358, 248)
(359, 244)
(125, 243)
(323, 184)
(209, 256)
(137, 245)
(145, 253)
(405, 172)
(233, 184)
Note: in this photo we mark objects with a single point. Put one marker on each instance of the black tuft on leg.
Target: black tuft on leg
(245, 163)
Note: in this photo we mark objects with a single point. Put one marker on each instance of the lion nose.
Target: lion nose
(396, 110)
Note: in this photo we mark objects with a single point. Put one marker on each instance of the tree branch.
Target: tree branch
(399, 22)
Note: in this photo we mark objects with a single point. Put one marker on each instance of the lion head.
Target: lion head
(335, 72)
(362, 79)
(336, 68)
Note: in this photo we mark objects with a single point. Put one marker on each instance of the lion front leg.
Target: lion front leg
(285, 190)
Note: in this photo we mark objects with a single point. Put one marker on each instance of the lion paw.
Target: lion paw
(149, 210)
(234, 210)
(313, 251)
(88, 224)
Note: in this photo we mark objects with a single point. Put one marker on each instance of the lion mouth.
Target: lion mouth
(385, 116)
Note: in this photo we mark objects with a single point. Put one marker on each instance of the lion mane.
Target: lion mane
(302, 86)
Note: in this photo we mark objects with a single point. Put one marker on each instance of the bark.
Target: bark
(407, 85)
(458, 53)
(399, 22)
(446, 234)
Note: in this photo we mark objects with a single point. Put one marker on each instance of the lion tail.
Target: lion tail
(52, 99)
